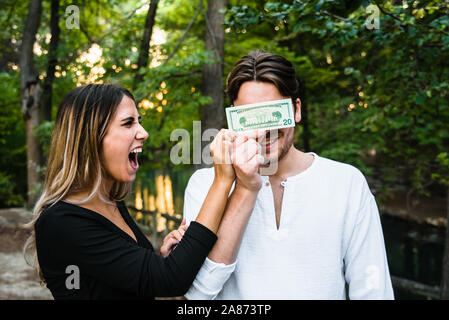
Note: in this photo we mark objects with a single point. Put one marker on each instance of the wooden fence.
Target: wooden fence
(153, 215)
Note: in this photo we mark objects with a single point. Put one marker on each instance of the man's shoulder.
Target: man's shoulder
(348, 179)
(345, 175)
(337, 168)
(204, 172)
(201, 178)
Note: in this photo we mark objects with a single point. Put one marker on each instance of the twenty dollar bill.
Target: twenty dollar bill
(268, 115)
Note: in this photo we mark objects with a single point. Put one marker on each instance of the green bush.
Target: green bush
(8, 196)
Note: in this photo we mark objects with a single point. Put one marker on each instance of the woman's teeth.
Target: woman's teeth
(133, 158)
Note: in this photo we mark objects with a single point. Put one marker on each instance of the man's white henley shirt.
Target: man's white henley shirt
(329, 234)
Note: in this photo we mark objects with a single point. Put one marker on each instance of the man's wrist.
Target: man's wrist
(245, 191)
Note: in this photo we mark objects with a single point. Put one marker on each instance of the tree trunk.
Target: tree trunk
(47, 91)
(213, 115)
(304, 116)
(30, 93)
(144, 54)
(445, 274)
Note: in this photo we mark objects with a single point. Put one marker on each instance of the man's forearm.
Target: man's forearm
(235, 218)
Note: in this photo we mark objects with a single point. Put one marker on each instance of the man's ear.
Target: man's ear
(297, 110)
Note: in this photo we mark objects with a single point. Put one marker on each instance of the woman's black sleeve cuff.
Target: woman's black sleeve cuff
(202, 234)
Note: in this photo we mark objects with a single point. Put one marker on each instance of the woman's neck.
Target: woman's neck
(96, 203)
(101, 194)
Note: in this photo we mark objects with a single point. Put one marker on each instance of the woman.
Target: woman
(81, 225)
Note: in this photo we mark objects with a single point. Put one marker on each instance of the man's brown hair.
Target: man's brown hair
(264, 67)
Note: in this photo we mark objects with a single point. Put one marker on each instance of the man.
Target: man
(301, 233)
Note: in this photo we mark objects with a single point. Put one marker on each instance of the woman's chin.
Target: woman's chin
(130, 177)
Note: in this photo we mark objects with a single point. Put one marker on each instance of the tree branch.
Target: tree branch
(388, 13)
(335, 16)
(114, 29)
(181, 40)
(90, 40)
(124, 22)
(404, 26)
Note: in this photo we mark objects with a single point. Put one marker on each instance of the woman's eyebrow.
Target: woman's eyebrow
(131, 118)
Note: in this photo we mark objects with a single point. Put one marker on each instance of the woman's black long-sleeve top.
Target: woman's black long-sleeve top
(111, 264)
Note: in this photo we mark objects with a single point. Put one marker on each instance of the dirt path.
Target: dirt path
(17, 279)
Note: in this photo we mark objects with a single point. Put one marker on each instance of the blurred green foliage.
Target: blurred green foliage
(381, 92)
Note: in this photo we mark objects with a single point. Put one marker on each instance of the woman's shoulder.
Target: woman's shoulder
(60, 211)
(60, 208)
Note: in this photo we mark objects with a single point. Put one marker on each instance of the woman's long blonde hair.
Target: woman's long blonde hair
(74, 161)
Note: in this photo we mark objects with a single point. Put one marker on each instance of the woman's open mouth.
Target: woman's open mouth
(132, 156)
